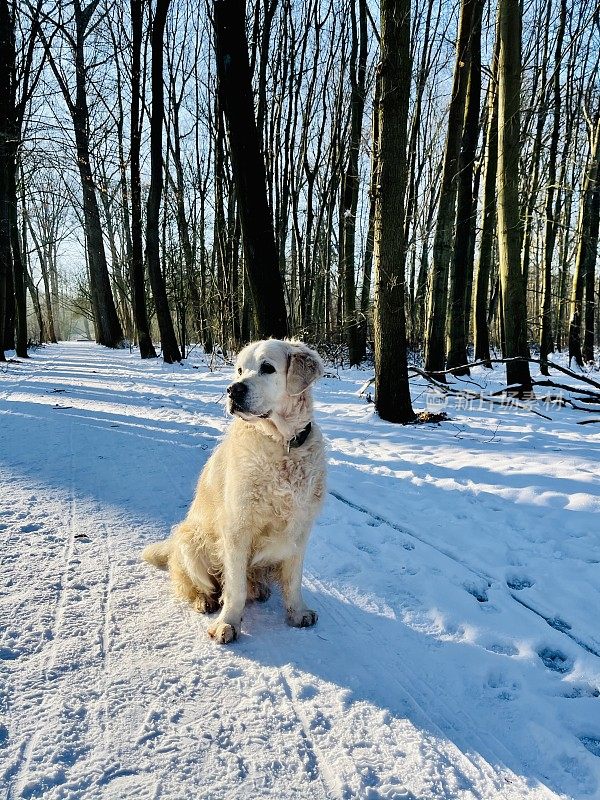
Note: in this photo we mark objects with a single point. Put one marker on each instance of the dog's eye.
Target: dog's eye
(266, 368)
(239, 370)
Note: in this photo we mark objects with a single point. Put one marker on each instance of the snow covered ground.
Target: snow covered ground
(455, 569)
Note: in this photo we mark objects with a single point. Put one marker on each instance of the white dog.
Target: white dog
(257, 496)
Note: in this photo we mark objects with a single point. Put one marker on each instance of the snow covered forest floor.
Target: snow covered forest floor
(455, 569)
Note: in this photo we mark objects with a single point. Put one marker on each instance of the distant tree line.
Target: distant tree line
(421, 177)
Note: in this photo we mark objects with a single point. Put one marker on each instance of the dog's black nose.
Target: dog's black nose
(237, 391)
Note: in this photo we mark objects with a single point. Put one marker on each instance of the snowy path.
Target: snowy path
(456, 571)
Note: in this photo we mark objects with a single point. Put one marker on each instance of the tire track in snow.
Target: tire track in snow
(59, 610)
(318, 759)
(313, 758)
(383, 521)
(23, 766)
(73, 711)
(550, 621)
(104, 636)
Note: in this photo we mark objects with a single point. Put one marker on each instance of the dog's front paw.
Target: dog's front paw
(303, 618)
(223, 632)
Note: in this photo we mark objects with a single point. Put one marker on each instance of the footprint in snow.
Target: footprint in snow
(367, 548)
(503, 649)
(508, 687)
(32, 527)
(554, 660)
(518, 583)
(233, 672)
(307, 692)
(266, 695)
(592, 744)
(478, 592)
(347, 570)
(320, 723)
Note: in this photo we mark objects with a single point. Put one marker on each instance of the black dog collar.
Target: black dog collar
(300, 437)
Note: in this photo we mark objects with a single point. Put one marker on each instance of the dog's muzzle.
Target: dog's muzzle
(238, 401)
(238, 394)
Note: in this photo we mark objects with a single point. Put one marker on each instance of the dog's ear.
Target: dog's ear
(304, 367)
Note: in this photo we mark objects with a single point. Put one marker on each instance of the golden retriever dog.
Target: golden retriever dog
(257, 496)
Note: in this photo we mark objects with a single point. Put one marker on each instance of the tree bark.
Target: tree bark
(258, 238)
(6, 72)
(109, 331)
(546, 340)
(392, 397)
(20, 288)
(587, 244)
(42, 249)
(350, 183)
(442, 245)
(509, 224)
(16, 301)
(537, 108)
(170, 349)
(484, 265)
(466, 205)
(106, 320)
(136, 264)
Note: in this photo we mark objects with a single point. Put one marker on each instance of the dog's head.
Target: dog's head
(273, 381)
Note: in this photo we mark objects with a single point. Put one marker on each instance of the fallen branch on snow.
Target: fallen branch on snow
(551, 364)
(505, 396)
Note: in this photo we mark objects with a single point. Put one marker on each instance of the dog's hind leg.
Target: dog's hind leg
(192, 581)
(258, 584)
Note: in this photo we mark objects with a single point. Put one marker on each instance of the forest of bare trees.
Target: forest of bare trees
(391, 182)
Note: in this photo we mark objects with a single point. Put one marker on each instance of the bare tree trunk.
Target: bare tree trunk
(589, 304)
(20, 289)
(106, 320)
(509, 222)
(466, 203)
(136, 266)
(170, 349)
(587, 243)
(109, 331)
(6, 165)
(118, 283)
(9, 310)
(350, 184)
(392, 399)
(5, 162)
(42, 249)
(31, 287)
(483, 270)
(442, 246)
(537, 108)
(547, 341)
(15, 85)
(258, 238)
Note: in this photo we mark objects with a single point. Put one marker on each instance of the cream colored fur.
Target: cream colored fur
(256, 498)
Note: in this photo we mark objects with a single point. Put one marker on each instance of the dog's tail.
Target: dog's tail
(158, 554)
